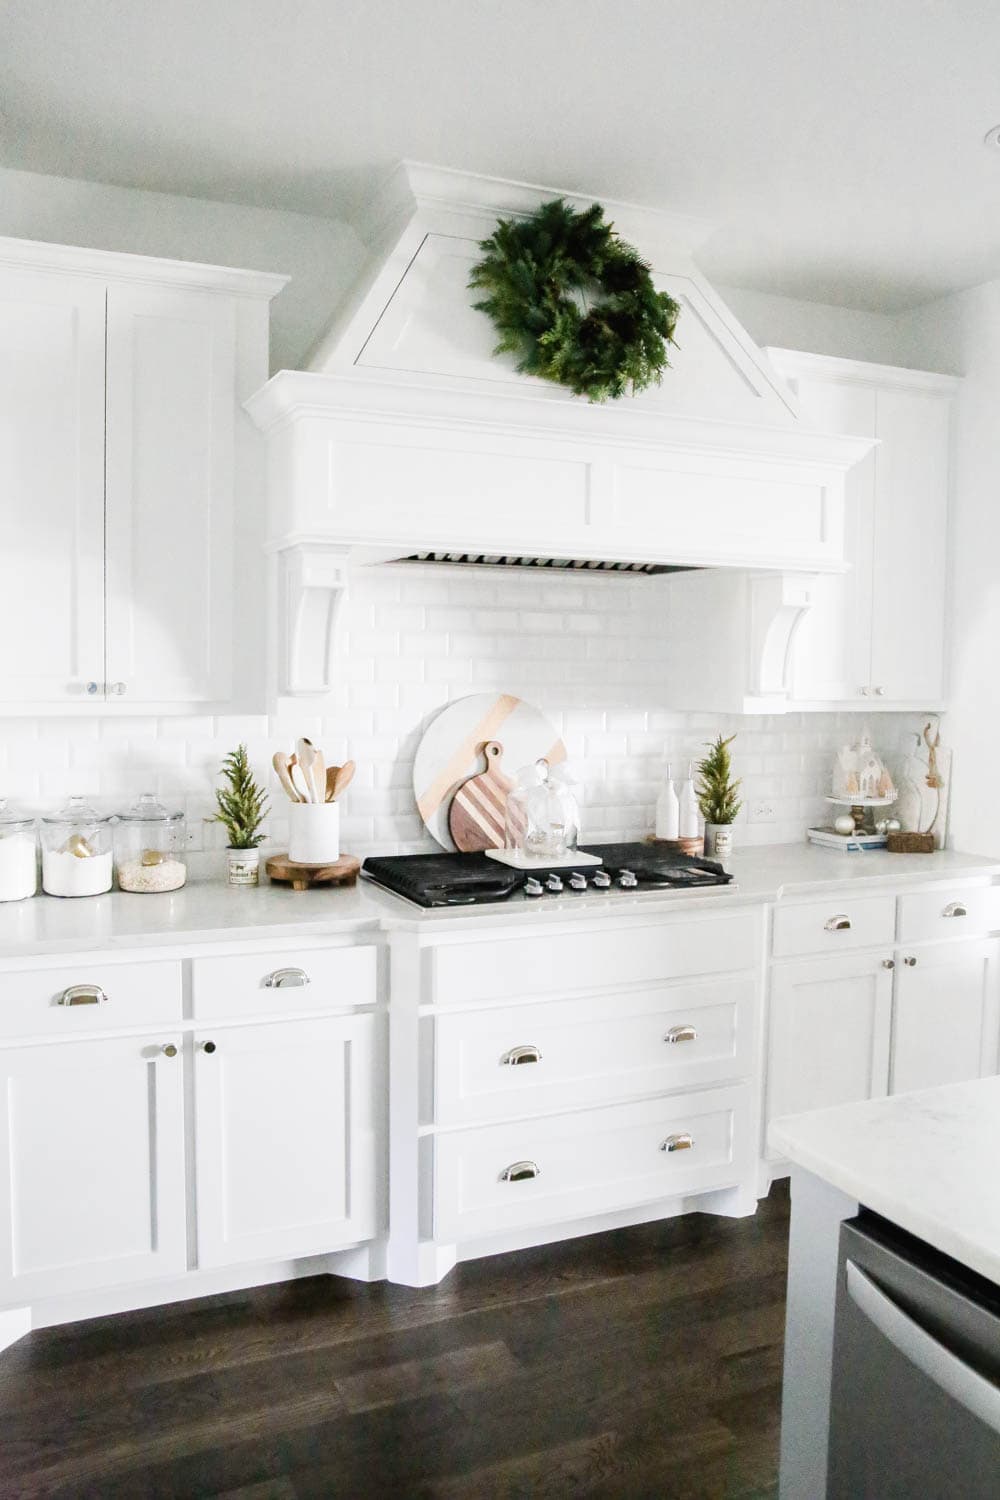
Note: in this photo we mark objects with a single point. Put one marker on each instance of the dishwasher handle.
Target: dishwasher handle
(952, 1375)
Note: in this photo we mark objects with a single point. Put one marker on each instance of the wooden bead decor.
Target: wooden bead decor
(910, 843)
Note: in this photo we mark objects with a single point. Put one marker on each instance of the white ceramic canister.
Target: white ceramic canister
(314, 833)
(18, 857)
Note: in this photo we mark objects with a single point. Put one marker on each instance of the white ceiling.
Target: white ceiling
(837, 144)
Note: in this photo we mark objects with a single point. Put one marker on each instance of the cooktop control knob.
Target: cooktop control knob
(578, 881)
(602, 880)
(532, 887)
(554, 883)
(627, 880)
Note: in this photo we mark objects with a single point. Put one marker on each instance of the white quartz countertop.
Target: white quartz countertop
(208, 910)
(927, 1161)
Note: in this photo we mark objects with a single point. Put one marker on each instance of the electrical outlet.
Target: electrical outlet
(762, 812)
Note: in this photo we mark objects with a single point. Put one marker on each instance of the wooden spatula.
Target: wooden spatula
(279, 761)
(343, 779)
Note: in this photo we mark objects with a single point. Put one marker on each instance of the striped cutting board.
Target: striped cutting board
(478, 808)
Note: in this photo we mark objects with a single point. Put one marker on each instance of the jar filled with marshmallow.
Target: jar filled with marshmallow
(76, 851)
(18, 858)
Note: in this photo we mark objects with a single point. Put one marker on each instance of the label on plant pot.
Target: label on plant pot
(243, 866)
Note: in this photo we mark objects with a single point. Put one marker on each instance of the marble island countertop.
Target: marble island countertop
(208, 910)
(926, 1160)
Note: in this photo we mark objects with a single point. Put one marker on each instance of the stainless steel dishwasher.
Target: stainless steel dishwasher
(915, 1400)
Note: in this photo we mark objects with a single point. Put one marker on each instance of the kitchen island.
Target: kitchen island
(925, 1163)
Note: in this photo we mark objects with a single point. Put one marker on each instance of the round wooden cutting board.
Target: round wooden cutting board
(451, 750)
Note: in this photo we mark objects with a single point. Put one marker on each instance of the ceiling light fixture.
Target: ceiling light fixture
(992, 138)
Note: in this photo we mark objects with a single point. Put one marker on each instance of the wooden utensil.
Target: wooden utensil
(343, 779)
(279, 761)
(305, 754)
(298, 780)
(331, 781)
(478, 809)
(317, 776)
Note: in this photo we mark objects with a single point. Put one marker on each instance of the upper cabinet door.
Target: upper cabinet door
(170, 452)
(911, 518)
(51, 487)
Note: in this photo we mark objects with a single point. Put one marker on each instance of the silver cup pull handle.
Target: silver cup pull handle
(682, 1141)
(520, 1171)
(955, 909)
(286, 979)
(517, 1055)
(681, 1034)
(83, 994)
(839, 923)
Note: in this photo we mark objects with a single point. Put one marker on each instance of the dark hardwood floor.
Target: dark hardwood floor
(641, 1363)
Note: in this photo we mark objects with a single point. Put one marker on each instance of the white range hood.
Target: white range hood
(406, 436)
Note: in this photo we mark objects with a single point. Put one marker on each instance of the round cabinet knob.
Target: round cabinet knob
(865, 692)
(93, 688)
(911, 963)
(208, 1046)
(168, 1049)
(879, 692)
(888, 963)
(118, 688)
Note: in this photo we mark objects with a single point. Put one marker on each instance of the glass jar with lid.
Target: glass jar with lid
(76, 851)
(18, 857)
(542, 817)
(150, 844)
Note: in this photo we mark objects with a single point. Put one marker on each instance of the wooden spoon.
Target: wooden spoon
(298, 780)
(305, 753)
(343, 779)
(331, 781)
(279, 761)
(317, 776)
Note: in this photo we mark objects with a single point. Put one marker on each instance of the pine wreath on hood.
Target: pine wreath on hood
(574, 303)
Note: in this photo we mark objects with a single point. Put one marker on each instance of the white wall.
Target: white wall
(787, 323)
(962, 334)
(321, 255)
(587, 651)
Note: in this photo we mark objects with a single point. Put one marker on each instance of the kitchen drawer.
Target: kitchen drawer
(594, 958)
(232, 989)
(570, 1166)
(834, 925)
(928, 915)
(109, 997)
(566, 1054)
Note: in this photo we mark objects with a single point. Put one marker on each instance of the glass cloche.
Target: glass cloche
(150, 845)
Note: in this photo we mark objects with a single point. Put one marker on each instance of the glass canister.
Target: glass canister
(542, 817)
(150, 844)
(18, 858)
(76, 851)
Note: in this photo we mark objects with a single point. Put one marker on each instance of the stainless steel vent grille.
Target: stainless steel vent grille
(557, 564)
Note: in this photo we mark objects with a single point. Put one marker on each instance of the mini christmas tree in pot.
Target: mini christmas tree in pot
(242, 807)
(718, 797)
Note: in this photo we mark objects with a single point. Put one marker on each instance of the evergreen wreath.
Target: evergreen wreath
(574, 303)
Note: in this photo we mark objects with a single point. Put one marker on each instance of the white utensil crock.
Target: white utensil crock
(314, 833)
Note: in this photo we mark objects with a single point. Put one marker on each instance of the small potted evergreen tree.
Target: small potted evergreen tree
(718, 797)
(242, 806)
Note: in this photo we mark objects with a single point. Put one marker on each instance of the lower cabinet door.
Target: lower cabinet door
(828, 1033)
(946, 1015)
(91, 1165)
(285, 1138)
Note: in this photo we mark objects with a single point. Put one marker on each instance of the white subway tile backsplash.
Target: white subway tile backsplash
(586, 650)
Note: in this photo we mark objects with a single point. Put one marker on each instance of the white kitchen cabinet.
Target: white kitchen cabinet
(91, 1165)
(171, 415)
(285, 1138)
(122, 448)
(828, 1032)
(51, 486)
(946, 1014)
(873, 637)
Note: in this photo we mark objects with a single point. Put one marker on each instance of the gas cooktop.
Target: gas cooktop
(473, 880)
